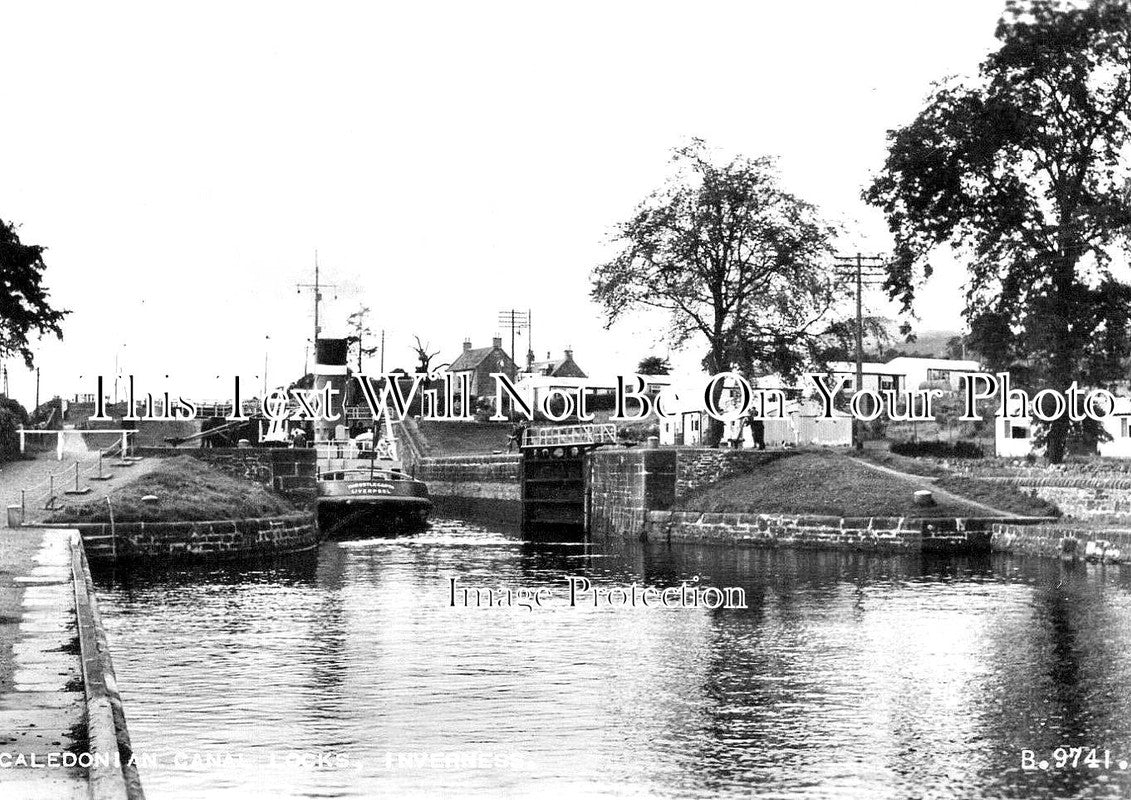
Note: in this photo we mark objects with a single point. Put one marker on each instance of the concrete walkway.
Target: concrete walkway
(32, 476)
(42, 702)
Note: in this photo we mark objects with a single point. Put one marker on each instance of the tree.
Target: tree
(730, 257)
(1023, 172)
(423, 357)
(653, 365)
(357, 323)
(24, 306)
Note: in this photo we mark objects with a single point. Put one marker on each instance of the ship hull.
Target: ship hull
(371, 507)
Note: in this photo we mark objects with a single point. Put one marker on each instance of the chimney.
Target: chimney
(466, 345)
(569, 354)
(497, 342)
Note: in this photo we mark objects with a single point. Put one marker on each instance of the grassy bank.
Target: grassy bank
(464, 438)
(830, 483)
(186, 490)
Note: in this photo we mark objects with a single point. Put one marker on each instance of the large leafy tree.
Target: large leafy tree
(24, 306)
(732, 258)
(1023, 171)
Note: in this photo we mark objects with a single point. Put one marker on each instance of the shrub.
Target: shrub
(9, 440)
(938, 449)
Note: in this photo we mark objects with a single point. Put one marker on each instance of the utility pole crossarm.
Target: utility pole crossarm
(316, 288)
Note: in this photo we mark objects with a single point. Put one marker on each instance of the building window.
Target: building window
(1019, 432)
(887, 382)
(1123, 428)
(938, 375)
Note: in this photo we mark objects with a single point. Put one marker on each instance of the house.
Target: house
(480, 362)
(904, 373)
(559, 368)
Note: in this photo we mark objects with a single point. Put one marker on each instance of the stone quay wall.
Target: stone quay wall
(217, 540)
(486, 488)
(292, 472)
(871, 534)
(1059, 541)
(107, 732)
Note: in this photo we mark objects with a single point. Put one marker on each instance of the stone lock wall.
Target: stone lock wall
(486, 487)
(624, 485)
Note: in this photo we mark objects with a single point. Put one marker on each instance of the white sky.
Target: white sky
(447, 160)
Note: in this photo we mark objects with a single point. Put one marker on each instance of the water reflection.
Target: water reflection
(846, 675)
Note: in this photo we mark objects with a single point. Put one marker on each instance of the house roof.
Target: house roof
(548, 367)
(470, 359)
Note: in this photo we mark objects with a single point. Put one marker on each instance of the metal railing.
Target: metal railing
(348, 448)
(564, 435)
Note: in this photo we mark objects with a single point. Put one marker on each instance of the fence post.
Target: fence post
(76, 476)
(113, 533)
(59, 446)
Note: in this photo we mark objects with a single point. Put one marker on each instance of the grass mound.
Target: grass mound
(446, 438)
(828, 483)
(187, 490)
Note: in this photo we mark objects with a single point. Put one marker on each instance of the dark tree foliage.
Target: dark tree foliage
(653, 365)
(24, 307)
(729, 256)
(1023, 171)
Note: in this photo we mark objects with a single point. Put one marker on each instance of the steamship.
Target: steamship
(363, 489)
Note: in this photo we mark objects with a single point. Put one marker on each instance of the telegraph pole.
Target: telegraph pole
(516, 321)
(862, 270)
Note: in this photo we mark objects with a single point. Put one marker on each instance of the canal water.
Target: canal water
(349, 674)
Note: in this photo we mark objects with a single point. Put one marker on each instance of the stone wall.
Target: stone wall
(699, 467)
(187, 541)
(486, 488)
(1083, 496)
(624, 485)
(289, 471)
(1062, 542)
(873, 534)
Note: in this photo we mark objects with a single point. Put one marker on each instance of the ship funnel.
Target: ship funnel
(330, 369)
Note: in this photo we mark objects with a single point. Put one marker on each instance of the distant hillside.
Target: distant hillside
(927, 343)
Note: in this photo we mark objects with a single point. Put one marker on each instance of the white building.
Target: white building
(801, 425)
(1014, 438)
(904, 372)
(1118, 427)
